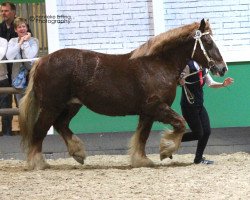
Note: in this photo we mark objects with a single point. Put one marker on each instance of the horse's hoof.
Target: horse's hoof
(137, 162)
(76, 149)
(42, 167)
(38, 166)
(37, 162)
(163, 156)
(79, 159)
(167, 147)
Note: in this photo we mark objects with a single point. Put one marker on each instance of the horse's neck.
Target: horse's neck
(180, 55)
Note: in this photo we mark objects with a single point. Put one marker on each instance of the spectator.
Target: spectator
(22, 47)
(8, 13)
(7, 31)
(5, 99)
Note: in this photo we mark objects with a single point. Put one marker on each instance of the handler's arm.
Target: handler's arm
(184, 73)
(213, 84)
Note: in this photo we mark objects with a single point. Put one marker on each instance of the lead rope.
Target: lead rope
(189, 95)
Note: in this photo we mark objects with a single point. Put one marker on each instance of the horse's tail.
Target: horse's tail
(28, 111)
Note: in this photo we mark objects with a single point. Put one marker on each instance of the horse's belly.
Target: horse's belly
(111, 111)
(112, 108)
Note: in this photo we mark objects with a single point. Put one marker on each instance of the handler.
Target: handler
(193, 109)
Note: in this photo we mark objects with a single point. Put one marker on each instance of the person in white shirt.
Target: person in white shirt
(5, 99)
(22, 47)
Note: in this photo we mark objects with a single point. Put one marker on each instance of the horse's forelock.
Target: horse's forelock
(165, 41)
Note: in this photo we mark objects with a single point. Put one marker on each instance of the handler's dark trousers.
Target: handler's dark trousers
(199, 124)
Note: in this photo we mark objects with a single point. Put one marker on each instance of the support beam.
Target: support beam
(9, 111)
(52, 29)
(52, 34)
(158, 16)
(10, 90)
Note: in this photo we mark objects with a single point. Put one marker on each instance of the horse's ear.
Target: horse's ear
(202, 25)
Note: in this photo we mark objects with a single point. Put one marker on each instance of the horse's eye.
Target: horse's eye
(208, 40)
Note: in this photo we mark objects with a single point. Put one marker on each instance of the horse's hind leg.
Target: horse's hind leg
(138, 143)
(44, 122)
(170, 141)
(74, 144)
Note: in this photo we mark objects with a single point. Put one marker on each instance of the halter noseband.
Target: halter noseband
(197, 37)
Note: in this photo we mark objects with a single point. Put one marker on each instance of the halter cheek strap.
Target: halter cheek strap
(197, 37)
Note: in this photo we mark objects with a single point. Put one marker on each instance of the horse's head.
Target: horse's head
(206, 52)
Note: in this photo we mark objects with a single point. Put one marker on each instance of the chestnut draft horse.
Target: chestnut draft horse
(142, 82)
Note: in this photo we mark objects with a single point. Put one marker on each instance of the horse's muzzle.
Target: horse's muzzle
(216, 70)
(223, 71)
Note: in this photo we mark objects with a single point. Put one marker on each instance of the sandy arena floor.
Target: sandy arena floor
(111, 177)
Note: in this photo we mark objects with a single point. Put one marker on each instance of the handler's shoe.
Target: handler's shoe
(203, 161)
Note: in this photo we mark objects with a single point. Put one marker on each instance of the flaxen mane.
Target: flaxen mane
(166, 40)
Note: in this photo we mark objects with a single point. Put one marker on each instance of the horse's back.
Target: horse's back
(104, 83)
(72, 60)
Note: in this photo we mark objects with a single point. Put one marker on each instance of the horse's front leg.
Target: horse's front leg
(138, 143)
(170, 140)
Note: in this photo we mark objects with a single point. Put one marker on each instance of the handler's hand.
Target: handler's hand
(228, 81)
(182, 81)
